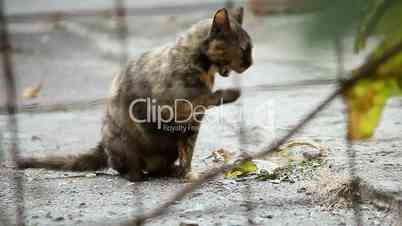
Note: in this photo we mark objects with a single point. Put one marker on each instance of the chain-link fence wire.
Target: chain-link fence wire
(12, 124)
(120, 12)
(246, 192)
(351, 153)
(122, 30)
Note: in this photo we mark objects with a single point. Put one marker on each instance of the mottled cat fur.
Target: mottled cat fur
(184, 69)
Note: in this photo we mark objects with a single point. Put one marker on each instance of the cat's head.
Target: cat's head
(228, 45)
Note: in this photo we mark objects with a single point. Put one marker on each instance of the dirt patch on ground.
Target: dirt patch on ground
(332, 190)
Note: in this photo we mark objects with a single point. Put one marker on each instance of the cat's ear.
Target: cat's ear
(221, 23)
(238, 14)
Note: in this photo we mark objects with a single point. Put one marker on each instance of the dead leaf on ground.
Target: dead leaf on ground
(221, 155)
(295, 143)
(32, 91)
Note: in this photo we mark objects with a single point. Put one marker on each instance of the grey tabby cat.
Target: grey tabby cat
(138, 142)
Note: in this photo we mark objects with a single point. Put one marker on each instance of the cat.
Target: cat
(158, 100)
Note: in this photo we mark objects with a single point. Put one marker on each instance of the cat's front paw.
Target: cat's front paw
(228, 95)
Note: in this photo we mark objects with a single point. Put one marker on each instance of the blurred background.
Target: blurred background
(74, 56)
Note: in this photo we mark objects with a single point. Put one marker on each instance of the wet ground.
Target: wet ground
(76, 60)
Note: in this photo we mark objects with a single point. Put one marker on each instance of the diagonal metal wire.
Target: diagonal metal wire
(93, 103)
(246, 192)
(364, 71)
(12, 125)
(355, 184)
(122, 30)
(351, 153)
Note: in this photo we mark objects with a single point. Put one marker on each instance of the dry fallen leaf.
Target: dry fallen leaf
(221, 155)
(32, 91)
(294, 143)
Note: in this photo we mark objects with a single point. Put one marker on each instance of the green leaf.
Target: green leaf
(393, 66)
(243, 169)
(390, 23)
(365, 102)
(366, 99)
(382, 16)
(374, 12)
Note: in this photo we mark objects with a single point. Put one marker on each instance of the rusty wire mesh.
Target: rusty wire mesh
(121, 12)
(12, 124)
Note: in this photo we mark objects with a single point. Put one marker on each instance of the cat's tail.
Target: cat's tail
(93, 159)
